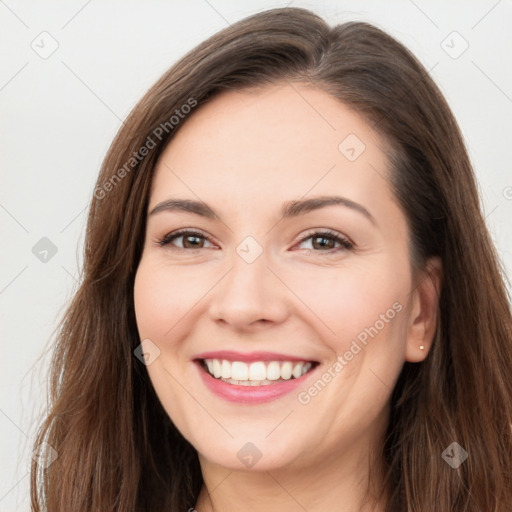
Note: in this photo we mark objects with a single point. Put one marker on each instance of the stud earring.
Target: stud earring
(422, 347)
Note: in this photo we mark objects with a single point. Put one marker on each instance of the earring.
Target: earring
(422, 347)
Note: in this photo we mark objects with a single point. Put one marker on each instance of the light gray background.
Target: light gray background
(60, 113)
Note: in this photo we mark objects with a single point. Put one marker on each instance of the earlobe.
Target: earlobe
(424, 312)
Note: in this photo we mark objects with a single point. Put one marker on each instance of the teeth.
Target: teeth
(297, 370)
(226, 370)
(239, 370)
(286, 370)
(259, 373)
(273, 370)
(216, 368)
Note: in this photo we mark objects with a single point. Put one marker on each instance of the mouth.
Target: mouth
(255, 373)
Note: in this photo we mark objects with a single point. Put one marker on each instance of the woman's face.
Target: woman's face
(289, 280)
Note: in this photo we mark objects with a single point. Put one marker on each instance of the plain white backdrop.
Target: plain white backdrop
(71, 71)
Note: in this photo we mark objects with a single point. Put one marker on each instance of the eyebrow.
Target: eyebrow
(288, 210)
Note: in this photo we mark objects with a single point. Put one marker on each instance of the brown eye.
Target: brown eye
(189, 240)
(327, 241)
(192, 241)
(323, 242)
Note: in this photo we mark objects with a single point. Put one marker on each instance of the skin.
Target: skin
(245, 153)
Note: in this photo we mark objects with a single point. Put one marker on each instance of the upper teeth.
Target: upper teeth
(257, 371)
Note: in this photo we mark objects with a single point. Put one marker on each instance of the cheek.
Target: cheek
(356, 303)
(164, 296)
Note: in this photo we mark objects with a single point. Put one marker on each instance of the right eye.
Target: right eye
(190, 240)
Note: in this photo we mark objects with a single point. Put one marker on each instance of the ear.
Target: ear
(424, 311)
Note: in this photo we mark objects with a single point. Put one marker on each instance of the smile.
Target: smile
(257, 373)
(252, 378)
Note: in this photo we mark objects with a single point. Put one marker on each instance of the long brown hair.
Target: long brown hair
(117, 450)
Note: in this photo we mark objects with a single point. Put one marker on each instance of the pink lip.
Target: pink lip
(231, 355)
(249, 394)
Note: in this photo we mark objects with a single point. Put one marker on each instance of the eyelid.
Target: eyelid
(170, 237)
(345, 242)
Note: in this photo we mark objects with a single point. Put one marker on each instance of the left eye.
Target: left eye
(190, 240)
(326, 240)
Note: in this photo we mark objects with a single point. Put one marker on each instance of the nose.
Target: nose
(249, 296)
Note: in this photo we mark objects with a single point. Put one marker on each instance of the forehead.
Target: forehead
(288, 139)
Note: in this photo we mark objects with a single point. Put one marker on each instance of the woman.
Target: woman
(290, 300)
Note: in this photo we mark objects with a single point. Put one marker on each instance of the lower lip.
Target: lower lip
(250, 394)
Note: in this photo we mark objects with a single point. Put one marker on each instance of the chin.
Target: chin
(251, 456)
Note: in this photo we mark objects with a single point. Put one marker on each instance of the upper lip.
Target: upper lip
(231, 355)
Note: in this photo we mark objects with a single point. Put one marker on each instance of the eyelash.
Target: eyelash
(345, 243)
